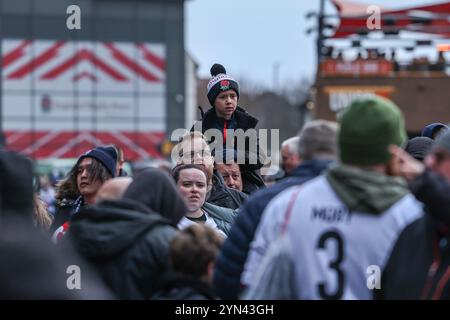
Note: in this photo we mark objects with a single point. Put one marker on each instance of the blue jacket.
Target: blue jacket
(231, 260)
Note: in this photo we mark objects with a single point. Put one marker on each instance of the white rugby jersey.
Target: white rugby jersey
(332, 247)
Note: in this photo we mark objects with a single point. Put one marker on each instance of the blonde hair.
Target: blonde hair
(40, 214)
(188, 138)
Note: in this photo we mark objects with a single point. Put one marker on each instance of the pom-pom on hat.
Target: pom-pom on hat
(220, 82)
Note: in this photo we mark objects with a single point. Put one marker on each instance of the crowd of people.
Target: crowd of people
(356, 196)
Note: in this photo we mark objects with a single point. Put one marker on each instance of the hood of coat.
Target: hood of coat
(109, 227)
(157, 191)
(16, 184)
(366, 191)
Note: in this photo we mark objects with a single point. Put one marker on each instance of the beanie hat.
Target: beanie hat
(112, 152)
(220, 82)
(443, 141)
(418, 147)
(432, 128)
(105, 157)
(367, 128)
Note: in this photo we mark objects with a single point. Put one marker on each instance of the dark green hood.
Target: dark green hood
(107, 228)
(366, 191)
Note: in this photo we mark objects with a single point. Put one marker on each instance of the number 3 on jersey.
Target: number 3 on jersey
(324, 288)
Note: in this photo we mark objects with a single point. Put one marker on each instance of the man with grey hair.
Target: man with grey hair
(290, 158)
(317, 146)
(316, 140)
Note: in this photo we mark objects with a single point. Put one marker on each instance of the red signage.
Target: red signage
(361, 67)
(353, 18)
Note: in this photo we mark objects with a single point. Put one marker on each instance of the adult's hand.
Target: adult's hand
(409, 168)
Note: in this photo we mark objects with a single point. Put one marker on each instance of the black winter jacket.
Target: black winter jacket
(433, 190)
(64, 211)
(251, 181)
(126, 242)
(419, 265)
(240, 120)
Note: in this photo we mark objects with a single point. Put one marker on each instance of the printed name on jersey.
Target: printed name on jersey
(331, 214)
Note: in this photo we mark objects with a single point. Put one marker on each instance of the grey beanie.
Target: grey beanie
(418, 147)
(444, 141)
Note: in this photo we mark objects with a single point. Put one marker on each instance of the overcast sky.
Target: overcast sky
(250, 37)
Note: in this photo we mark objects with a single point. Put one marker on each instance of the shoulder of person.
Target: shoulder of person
(242, 113)
(226, 214)
(158, 238)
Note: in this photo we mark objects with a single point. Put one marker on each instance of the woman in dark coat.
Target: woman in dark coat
(127, 240)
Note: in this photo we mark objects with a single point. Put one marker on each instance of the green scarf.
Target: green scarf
(366, 191)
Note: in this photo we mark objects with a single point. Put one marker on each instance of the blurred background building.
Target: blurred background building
(405, 58)
(123, 78)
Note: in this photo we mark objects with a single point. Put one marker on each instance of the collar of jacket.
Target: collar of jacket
(366, 191)
(219, 213)
(244, 120)
(311, 167)
(107, 228)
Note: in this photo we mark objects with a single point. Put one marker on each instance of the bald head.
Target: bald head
(113, 189)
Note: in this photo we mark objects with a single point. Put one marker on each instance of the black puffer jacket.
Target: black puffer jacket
(128, 240)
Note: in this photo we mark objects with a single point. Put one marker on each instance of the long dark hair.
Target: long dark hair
(67, 188)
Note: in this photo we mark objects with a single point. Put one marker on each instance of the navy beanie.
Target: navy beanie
(105, 157)
(220, 82)
(112, 152)
(431, 129)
